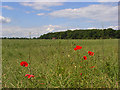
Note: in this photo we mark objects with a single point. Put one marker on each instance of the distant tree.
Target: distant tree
(34, 38)
(84, 34)
(117, 34)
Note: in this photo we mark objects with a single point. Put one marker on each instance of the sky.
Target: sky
(19, 19)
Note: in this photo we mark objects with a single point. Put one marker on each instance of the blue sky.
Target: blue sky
(20, 18)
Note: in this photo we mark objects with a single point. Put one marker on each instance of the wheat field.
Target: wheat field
(55, 63)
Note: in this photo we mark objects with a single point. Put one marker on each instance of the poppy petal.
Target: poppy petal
(78, 47)
(29, 76)
(23, 63)
(85, 57)
(26, 75)
(90, 53)
(75, 49)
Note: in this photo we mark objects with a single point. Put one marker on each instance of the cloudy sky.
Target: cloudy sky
(20, 18)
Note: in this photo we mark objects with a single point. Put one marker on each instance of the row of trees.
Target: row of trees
(14, 38)
(79, 34)
(84, 34)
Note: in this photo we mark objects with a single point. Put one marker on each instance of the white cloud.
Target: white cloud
(92, 28)
(4, 19)
(41, 5)
(40, 14)
(8, 7)
(113, 27)
(51, 28)
(96, 12)
(15, 31)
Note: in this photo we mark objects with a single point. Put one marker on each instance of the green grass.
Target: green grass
(57, 65)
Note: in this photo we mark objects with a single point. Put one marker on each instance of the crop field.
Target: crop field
(55, 63)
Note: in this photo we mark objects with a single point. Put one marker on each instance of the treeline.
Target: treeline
(84, 34)
(18, 38)
(14, 38)
(79, 34)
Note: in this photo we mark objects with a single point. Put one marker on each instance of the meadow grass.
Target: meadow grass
(55, 63)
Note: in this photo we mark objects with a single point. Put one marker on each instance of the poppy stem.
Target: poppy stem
(31, 81)
(77, 56)
(29, 70)
(29, 60)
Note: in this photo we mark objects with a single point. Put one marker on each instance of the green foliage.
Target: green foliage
(84, 34)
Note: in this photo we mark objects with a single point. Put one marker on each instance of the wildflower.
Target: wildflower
(81, 74)
(75, 66)
(77, 47)
(29, 76)
(92, 67)
(85, 57)
(68, 55)
(90, 53)
(23, 63)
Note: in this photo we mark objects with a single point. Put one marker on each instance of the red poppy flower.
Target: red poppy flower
(29, 76)
(75, 49)
(81, 74)
(23, 63)
(92, 67)
(90, 53)
(85, 57)
(78, 47)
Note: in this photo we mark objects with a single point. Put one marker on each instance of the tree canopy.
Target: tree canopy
(83, 34)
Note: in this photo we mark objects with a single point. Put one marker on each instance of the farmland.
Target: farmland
(55, 63)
